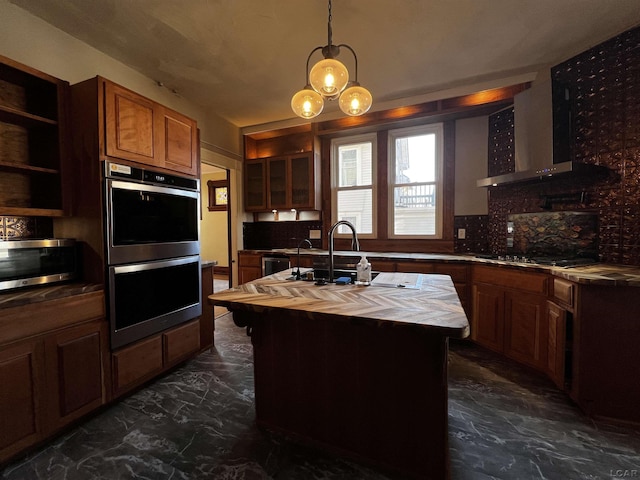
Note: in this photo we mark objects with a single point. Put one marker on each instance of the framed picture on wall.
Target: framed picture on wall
(218, 195)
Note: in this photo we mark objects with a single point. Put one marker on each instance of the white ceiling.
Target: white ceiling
(244, 59)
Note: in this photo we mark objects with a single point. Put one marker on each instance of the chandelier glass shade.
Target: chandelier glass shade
(307, 103)
(328, 79)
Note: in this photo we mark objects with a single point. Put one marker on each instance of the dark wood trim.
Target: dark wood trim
(449, 179)
(214, 185)
(474, 104)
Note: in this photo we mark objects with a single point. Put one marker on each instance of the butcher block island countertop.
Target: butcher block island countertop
(429, 302)
(360, 371)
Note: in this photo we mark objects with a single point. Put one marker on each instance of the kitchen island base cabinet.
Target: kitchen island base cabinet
(375, 393)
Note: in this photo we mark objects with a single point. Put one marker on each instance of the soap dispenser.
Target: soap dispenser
(363, 271)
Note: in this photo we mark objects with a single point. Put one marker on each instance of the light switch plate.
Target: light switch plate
(315, 234)
(462, 233)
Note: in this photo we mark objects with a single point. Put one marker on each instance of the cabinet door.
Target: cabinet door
(180, 142)
(487, 327)
(278, 182)
(130, 126)
(248, 274)
(526, 329)
(21, 395)
(136, 363)
(302, 181)
(557, 318)
(207, 323)
(75, 372)
(255, 198)
(180, 342)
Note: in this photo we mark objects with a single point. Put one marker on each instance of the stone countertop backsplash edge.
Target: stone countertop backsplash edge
(603, 274)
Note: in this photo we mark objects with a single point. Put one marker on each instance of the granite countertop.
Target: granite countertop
(429, 303)
(29, 295)
(604, 274)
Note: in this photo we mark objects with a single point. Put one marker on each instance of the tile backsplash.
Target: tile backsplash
(566, 234)
(267, 235)
(19, 228)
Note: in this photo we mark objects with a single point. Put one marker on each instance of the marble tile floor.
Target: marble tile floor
(197, 423)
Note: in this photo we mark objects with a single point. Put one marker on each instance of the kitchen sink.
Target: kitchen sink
(337, 273)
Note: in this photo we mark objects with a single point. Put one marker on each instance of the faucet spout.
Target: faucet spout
(355, 245)
(308, 242)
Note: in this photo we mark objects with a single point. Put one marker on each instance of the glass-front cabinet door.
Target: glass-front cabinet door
(302, 188)
(255, 193)
(277, 171)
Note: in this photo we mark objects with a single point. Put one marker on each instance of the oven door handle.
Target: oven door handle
(152, 188)
(152, 265)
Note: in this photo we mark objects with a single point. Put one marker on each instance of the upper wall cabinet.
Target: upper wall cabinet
(282, 171)
(33, 141)
(132, 127)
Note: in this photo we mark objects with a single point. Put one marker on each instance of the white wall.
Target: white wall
(29, 40)
(471, 164)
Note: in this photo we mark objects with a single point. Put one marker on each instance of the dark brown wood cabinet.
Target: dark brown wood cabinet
(207, 319)
(33, 142)
(249, 267)
(557, 345)
(135, 364)
(509, 313)
(52, 369)
(21, 396)
(487, 327)
(74, 360)
(282, 170)
(134, 128)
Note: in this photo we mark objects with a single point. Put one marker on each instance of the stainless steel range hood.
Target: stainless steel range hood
(534, 153)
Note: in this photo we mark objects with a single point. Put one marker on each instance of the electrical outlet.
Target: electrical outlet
(462, 233)
(315, 234)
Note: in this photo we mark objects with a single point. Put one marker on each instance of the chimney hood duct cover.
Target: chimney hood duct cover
(533, 120)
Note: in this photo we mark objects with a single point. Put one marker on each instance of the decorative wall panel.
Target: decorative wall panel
(604, 84)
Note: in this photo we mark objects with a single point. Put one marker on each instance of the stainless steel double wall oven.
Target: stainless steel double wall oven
(152, 251)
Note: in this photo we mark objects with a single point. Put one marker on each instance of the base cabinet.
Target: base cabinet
(48, 382)
(557, 344)
(249, 267)
(137, 363)
(21, 396)
(509, 314)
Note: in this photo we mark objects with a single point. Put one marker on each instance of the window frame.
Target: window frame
(392, 135)
(336, 143)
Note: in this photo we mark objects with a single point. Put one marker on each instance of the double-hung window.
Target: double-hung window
(354, 190)
(415, 182)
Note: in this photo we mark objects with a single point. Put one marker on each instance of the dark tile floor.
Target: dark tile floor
(197, 423)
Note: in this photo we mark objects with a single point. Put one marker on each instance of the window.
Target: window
(353, 183)
(415, 182)
(218, 191)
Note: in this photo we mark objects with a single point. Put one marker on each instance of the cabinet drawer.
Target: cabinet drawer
(564, 291)
(134, 363)
(250, 260)
(180, 342)
(506, 277)
(458, 273)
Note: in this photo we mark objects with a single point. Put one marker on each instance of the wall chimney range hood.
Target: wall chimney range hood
(535, 155)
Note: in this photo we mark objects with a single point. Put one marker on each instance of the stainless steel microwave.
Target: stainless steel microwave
(25, 263)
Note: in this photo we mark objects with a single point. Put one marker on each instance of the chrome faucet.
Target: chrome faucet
(308, 242)
(355, 246)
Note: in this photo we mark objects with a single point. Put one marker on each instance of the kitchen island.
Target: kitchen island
(359, 371)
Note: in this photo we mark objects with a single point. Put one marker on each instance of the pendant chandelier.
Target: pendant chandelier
(329, 80)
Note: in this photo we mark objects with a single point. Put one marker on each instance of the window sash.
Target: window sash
(419, 215)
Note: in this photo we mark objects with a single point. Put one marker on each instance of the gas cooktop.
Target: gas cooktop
(555, 261)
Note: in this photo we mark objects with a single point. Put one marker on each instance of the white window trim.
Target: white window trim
(335, 180)
(438, 129)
